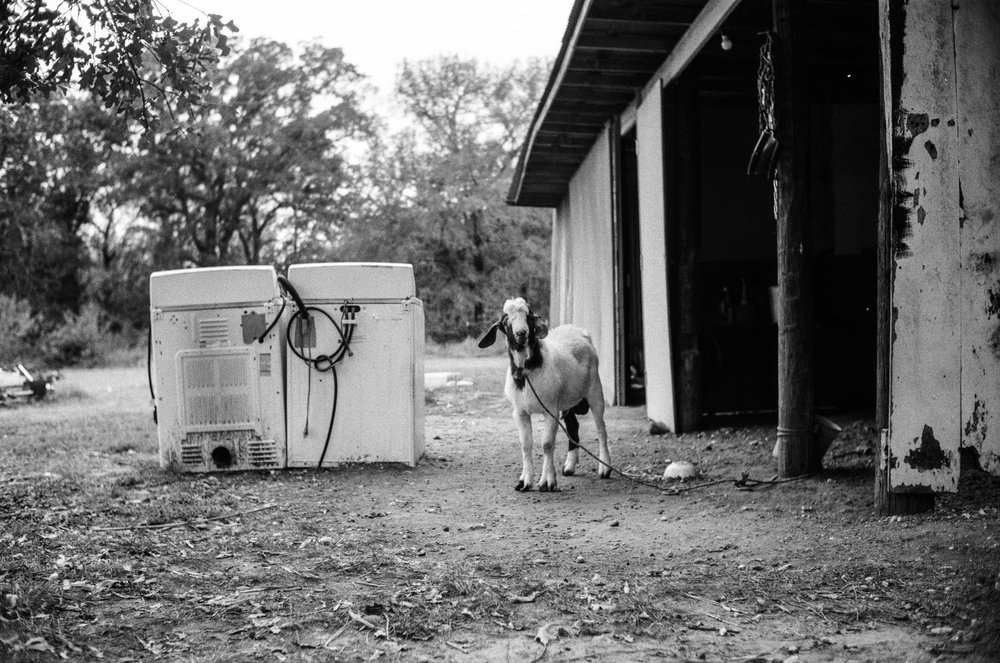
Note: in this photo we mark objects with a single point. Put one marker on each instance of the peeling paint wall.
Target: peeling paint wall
(925, 354)
(942, 74)
(977, 48)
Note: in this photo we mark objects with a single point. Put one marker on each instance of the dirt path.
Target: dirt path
(446, 562)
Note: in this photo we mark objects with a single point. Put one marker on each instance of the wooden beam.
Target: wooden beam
(617, 26)
(796, 376)
(891, 31)
(591, 80)
(704, 28)
(624, 44)
(651, 10)
(612, 97)
(616, 63)
(567, 132)
(687, 205)
(618, 270)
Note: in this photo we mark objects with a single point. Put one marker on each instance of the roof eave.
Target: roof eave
(573, 26)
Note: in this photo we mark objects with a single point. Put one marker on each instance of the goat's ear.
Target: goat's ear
(490, 337)
(541, 328)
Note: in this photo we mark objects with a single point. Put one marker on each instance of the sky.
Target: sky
(377, 35)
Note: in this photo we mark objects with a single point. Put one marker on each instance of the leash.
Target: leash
(743, 483)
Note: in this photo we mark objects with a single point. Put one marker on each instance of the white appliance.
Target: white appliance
(217, 368)
(358, 363)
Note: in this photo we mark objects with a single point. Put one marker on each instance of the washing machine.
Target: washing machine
(354, 369)
(217, 356)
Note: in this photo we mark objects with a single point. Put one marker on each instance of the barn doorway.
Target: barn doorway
(736, 268)
(633, 363)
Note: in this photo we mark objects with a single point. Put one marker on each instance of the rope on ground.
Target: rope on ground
(743, 483)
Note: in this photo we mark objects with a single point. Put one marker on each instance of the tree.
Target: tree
(441, 202)
(55, 164)
(265, 152)
(107, 48)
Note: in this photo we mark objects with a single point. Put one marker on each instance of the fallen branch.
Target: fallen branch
(455, 645)
(182, 523)
(718, 603)
(361, 620)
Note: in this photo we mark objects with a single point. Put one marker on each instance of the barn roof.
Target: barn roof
(613, 50)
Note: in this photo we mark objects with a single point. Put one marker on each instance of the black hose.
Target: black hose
(333, 415)
(273, 322)
(324, 363)
(321, 363)
(287, 286)
(149, 368)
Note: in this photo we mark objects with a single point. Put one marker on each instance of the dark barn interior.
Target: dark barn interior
(720, 221)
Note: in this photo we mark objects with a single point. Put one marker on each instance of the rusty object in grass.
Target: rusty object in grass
(20, 385)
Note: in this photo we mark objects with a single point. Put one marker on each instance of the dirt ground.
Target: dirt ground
(104, 556)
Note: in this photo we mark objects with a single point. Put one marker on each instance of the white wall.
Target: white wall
(656, 330)
(583, 260)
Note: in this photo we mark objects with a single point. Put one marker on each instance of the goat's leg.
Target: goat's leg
(573, 431)
(523, 421)
(548, 481)
(597, 409)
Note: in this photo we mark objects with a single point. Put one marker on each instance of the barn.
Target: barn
(788, 207)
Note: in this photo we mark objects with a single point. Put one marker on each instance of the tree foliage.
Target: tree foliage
(449, 175)
(55, 165)
(107, 48)
(279, 162)
(266, 149)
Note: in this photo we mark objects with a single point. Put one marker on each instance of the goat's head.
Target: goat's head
(523, 329)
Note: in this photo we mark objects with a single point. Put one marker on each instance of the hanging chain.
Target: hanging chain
(765, 101)
(765, 87)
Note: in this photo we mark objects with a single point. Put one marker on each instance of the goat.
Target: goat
(560, 366)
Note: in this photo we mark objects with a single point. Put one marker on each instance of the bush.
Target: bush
(20, 333)
(81, 339)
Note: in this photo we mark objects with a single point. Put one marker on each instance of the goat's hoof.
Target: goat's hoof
(522, 486)
(548, 488)
(604, 474)
(568, 472)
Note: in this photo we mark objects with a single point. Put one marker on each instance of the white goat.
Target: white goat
(558, 368)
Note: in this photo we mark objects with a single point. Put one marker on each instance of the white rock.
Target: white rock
(679, 469)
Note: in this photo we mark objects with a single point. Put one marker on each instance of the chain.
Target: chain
(765, 87)
(765, 102)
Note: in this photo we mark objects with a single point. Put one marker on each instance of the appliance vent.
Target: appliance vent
(191, 454)
(262, 453)
(218, 390)
(213, 332)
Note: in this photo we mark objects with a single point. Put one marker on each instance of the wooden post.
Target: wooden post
(796, 389)
(688, 188)
(891, 14)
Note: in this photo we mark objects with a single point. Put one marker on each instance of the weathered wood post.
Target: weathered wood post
(919, 280)
(796, 389)
(688, 188)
